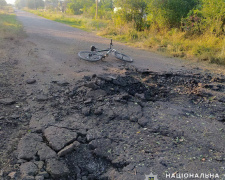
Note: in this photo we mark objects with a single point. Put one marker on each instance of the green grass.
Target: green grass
(205, 47)
(10, 29)
(173, 42)
(9, 26)
(72, 20)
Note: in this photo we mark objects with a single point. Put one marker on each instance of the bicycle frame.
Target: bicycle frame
(95, 54)
(109, 50)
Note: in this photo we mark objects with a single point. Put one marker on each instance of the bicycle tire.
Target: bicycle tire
(90, 55)
(123, 57)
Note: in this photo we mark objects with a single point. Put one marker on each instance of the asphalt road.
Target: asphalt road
(182, 127)
(54, 46)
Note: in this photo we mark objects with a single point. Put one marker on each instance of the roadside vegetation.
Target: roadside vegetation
(76, 21)
(10, 28)
(182, 28)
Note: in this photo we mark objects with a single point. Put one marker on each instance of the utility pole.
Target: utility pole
(96, 14)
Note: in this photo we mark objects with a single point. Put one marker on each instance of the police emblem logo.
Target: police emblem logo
(151, 177)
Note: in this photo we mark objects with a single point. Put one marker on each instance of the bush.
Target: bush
(133, 11)
(168, 13)
(193, 23)
(214, 16)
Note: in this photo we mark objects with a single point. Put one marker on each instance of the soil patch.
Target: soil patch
(14, 111)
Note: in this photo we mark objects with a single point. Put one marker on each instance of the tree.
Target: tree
(133, 10)
(105, 8)
(79, 6)
(213, 13)
(209, 16)
(168, 13)
(21, 3)
(2, 3)
(32, 4)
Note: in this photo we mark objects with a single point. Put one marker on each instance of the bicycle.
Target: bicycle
(95, 54)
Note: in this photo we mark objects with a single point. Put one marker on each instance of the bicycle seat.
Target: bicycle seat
(93, 48)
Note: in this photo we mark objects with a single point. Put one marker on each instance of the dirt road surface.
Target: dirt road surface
(65, 118)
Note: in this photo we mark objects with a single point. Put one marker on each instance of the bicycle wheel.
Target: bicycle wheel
(123, 57)
(90, 55)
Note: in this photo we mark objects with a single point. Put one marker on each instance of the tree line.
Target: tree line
(193, 16)
(2, 3)
(32, 4)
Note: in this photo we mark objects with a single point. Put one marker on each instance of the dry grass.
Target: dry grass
(205, 47)
(10, 28)
(72, 20)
